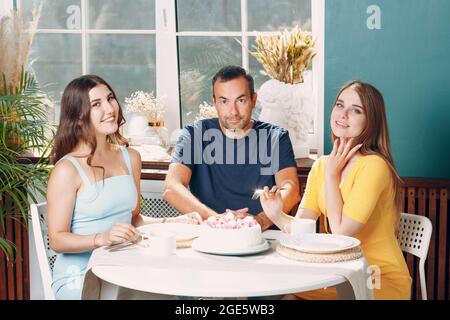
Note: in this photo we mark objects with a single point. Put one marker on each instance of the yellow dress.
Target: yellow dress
(367, 194)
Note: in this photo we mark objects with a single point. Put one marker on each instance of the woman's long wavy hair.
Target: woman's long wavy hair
(75, 120)
(375, 136)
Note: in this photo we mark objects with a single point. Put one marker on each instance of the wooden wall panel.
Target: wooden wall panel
(443, 258)
(14, 272)
(431, 261)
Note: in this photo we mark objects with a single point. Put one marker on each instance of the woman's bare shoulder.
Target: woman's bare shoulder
(64, 171)
(135, 156)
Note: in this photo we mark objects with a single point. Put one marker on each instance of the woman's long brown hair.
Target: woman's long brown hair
(375, 137)
(75, 122)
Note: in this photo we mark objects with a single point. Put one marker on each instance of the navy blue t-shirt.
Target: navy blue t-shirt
(226, 172)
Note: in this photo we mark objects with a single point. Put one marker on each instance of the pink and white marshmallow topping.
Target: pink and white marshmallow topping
(230, 221)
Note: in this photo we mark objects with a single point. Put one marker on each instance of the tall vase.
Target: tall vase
(139, 130)
(289, 106)
(161, 130)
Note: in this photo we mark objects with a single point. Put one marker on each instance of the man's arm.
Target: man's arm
(288, 180)
(176, 192)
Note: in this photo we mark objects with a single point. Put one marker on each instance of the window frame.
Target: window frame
(167, 63)
(166, 28)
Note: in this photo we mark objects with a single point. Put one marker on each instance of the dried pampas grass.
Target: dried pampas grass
(16, 38)
(285, 55)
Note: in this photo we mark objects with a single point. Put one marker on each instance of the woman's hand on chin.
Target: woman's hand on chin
(339, 157)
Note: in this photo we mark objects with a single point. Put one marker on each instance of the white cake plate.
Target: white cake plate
(205, 248)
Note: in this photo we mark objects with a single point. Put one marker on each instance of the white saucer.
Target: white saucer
(199, 246)
(182, 231)
(319, 242)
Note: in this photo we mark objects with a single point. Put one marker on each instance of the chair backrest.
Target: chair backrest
(415, 234)
(46, 256)
(153, 205)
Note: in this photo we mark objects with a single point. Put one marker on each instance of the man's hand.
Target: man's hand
(191, 218)
(263, 221)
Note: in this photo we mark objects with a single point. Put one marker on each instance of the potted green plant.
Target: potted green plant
(24, 128)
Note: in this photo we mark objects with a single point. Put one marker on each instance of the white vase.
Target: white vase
(289, 106)
(161, 131)
(140, 132)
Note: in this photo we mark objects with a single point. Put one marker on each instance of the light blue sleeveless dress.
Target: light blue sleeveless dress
(97, 208)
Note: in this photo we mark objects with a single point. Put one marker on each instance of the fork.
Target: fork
(259, 192)
(127, 243)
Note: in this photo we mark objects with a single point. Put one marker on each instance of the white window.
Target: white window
(171, 47)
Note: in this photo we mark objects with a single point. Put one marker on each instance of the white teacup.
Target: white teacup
(300, 226)
(160, 244)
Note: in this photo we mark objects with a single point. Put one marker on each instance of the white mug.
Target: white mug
(300, 226)
(160, 244)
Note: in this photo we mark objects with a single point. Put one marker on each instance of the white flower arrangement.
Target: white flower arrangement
(206, 111)
(146, 103)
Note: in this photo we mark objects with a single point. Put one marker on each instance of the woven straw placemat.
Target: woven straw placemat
(351, 254)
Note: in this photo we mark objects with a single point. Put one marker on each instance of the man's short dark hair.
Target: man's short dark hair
(233, 72)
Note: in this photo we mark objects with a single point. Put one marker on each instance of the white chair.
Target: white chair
(152, 202)
(45, 255)
(153, 205)
(414, 238)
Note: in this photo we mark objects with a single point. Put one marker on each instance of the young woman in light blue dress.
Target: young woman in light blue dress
(93, 190)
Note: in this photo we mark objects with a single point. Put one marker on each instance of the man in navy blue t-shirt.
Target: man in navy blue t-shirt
(217, 164)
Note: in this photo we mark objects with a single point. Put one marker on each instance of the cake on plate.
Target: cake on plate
(226, 232)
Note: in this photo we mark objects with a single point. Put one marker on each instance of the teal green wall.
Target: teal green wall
(408, 60)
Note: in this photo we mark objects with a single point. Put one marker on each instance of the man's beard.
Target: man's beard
(238, 127)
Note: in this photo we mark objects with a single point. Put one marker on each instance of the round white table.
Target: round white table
(195, 274)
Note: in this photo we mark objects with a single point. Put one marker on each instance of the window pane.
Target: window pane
(55, 14)
(201, 15)
(200, 58)
(273, 15)
(256, 70)
(122, 14)
(127, 62)
(54, 69)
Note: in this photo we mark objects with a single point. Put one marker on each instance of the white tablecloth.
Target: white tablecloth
(188, 261)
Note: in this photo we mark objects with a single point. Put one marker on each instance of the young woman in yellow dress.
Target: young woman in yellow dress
(357, 188)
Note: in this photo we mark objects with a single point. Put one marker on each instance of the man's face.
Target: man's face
(234, 104)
